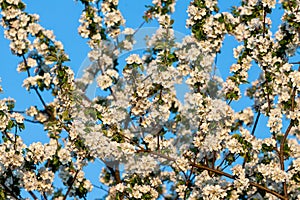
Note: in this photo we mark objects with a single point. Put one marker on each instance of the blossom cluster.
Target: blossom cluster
(152, 144)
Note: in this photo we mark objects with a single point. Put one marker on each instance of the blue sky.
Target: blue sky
(62, 17)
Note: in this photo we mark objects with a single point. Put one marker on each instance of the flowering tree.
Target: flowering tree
(152, 145)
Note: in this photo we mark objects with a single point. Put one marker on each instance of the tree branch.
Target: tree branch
(114, 171)
(215, 171)
(283, 140)
(281, 154)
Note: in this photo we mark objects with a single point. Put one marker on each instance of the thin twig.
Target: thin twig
(16, 111)
(33, 195)
(230, 100)
(100, 187)
(32, 121)
(140, 26)
(264, 25)
(255, 123)
(70, 187)
(45, 196)
(34, 88)
(295, 63)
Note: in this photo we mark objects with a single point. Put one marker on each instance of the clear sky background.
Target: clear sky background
(62, 16)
